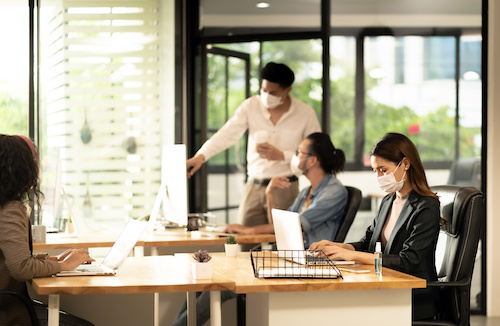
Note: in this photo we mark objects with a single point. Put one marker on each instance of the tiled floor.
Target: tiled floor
(484, 321)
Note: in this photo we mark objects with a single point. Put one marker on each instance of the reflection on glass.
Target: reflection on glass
(100, 68)
(342, 75)
(470, 96)
(410, 88)
(14, 76)
(226, 90)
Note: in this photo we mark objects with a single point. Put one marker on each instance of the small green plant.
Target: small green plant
(202, 256)
(231, 240)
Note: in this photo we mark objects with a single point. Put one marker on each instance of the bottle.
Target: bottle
(378, 258)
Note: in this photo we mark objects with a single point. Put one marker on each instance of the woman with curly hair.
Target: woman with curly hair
(19, 176)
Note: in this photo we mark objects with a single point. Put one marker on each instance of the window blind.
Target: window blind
(101, 101)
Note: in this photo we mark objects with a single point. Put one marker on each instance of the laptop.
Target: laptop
(288, 232)
(116, 255)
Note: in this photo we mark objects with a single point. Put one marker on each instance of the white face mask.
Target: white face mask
(270, 101)
(295, 166)
(388, 182)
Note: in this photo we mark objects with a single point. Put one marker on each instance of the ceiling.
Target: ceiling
(312, 7)
(345, 13)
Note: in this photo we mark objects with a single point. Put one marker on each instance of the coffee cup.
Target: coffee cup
(39, 233)
(261, 136)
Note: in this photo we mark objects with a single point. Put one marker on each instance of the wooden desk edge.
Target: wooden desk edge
(130, 289)
(149, 240)
(77, 245)
(263, 288)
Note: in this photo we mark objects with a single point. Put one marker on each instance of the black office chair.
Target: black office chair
(352, 206)
(466, 172)
(25, 301)
(463, 210)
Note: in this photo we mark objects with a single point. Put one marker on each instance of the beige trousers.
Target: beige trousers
(253, 207)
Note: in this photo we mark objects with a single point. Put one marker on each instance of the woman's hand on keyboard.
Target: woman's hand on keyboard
(73, 258)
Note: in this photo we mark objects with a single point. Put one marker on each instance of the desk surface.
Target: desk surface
(173, 274)
(151, 274)
(184, 238)
(83, 240)
(174, 238)
(239, 269)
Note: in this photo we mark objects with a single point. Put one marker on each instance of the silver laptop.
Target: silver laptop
(116, 255)
(288, 232)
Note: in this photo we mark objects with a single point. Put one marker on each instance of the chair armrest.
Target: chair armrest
(432, 323)
(460, 283)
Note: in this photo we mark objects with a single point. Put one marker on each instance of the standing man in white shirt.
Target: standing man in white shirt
(277, 123)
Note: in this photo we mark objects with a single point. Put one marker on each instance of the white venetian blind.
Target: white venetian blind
(102, 104)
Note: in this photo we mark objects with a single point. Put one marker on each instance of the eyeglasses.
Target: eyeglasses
(298, 152)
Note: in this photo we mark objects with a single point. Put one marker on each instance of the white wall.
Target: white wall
(493, 173)
(167, 77)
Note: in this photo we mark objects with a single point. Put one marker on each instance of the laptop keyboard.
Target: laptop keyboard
(314, 260)
(89, 268)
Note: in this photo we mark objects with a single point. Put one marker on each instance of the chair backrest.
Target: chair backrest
(352, 206)
(463, 210)
(466, 172)
(14, 297)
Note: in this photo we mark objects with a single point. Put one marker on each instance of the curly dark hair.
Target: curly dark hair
(18, 171)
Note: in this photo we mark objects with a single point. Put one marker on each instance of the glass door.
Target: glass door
(225, 85)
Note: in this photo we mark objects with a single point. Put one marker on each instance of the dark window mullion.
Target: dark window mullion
(359, 140)
(226, 155)
(457, 96)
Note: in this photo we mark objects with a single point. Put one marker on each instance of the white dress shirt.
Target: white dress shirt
(295, 125)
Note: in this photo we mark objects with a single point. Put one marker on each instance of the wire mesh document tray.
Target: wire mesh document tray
(291, 264)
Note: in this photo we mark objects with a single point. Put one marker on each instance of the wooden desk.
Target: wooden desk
(137, 275)
(357, 299)
(83, 240)
(174, 238)
(169, 238)
(180, 238)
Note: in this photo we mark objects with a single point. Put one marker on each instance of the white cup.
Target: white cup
(39, 233)
(261, 136)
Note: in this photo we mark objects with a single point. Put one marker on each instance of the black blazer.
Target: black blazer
(412, 245)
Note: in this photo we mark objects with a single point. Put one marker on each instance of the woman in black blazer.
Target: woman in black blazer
(407, 223)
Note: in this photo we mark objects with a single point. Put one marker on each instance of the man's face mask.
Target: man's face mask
(295, 165)
(270, 101)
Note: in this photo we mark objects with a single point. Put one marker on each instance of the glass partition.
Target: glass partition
(14, 67)
(100, 75)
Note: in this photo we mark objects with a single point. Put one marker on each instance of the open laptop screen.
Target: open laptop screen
(288, 233)
(124, 244)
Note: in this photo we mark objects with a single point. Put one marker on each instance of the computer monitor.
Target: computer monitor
(172, 194)
(51, 184)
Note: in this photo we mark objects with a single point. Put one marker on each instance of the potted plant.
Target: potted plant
(202, 266)
(231, 246)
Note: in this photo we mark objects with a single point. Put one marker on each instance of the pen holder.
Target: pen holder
(194, 222)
